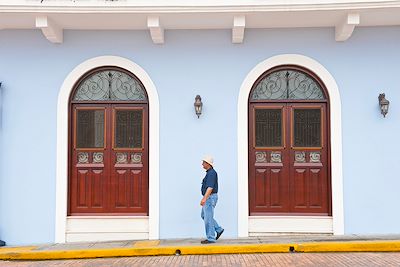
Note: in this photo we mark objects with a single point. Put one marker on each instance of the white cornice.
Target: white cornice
(196, 14)
(187, 5)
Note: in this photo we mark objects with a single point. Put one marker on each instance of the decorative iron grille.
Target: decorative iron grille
(268, 128)
(110, 85)
(307, 127)
(288, 84)
(128, 130)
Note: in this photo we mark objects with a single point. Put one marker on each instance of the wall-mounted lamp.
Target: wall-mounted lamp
(383, 104)
(198, 105)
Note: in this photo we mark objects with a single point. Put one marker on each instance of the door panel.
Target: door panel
(109, 160)
(83, 200)
(315, 188)
(309, 155)
(288, 159)
(268, 156)
(88, 173)
(300, 188)
(98, 181)
(261, 187)
(129, 183)
(87, 188)
(277, 189)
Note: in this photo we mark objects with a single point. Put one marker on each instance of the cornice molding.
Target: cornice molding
(158, 16)
(188, 6)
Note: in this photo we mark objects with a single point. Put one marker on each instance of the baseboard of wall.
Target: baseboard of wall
(269, 225)
(106, 228)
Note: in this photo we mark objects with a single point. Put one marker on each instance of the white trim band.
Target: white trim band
(106, 228)
(267, 225)
(62, 141)
(336, 137)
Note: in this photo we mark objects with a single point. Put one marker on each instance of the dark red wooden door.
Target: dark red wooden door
(288, 159)
(109, 159)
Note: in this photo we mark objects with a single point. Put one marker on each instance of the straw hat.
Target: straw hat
(209, 160)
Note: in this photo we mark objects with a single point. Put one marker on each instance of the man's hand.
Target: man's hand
(206, 195)
(203, 201)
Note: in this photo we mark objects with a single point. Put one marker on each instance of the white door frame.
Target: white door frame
(62, 140)
(335, 135)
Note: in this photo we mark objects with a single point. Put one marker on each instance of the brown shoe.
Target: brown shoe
(206, 242)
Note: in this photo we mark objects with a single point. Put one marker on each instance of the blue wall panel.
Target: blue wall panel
(191, 63)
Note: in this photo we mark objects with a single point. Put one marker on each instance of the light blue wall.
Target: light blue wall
(190, 63)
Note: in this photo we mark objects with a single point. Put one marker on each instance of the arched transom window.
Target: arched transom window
(110, 85)
(287, 84)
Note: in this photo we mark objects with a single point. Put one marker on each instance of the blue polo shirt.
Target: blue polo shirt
(211, 180)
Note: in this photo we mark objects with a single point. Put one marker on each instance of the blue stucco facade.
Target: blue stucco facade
(201, 62)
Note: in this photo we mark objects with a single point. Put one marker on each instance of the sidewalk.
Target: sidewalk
(270, 244)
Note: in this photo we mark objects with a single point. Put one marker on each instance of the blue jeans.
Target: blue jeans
(207, 214)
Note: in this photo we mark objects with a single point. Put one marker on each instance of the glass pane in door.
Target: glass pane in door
(307, 128)
(268, 127)
(128, 128)
(89, 128)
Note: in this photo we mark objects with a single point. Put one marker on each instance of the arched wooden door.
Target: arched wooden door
(289, 163)
(108, 160)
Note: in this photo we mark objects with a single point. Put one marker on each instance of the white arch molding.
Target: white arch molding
(152, 222)
(337, 220)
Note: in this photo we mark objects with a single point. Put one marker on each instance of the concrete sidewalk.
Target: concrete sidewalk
(270, 244)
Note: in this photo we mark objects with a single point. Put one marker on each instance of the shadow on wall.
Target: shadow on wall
(2, 243)
(1, 106)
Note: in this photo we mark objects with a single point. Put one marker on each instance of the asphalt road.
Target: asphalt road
(270, 259)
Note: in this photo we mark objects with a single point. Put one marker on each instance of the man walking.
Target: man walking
(209, 190)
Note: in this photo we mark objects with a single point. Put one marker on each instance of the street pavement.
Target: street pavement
(269, 259)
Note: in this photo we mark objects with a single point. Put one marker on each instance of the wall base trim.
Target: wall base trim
(103, 228)
(267, 225)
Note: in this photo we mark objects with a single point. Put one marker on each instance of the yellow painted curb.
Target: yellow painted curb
(235, 249)
(147, 243)
(350, 246)
(30, 253)
(145, 251)
(15, 249)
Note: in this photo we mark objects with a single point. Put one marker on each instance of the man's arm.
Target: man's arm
(206, 195)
